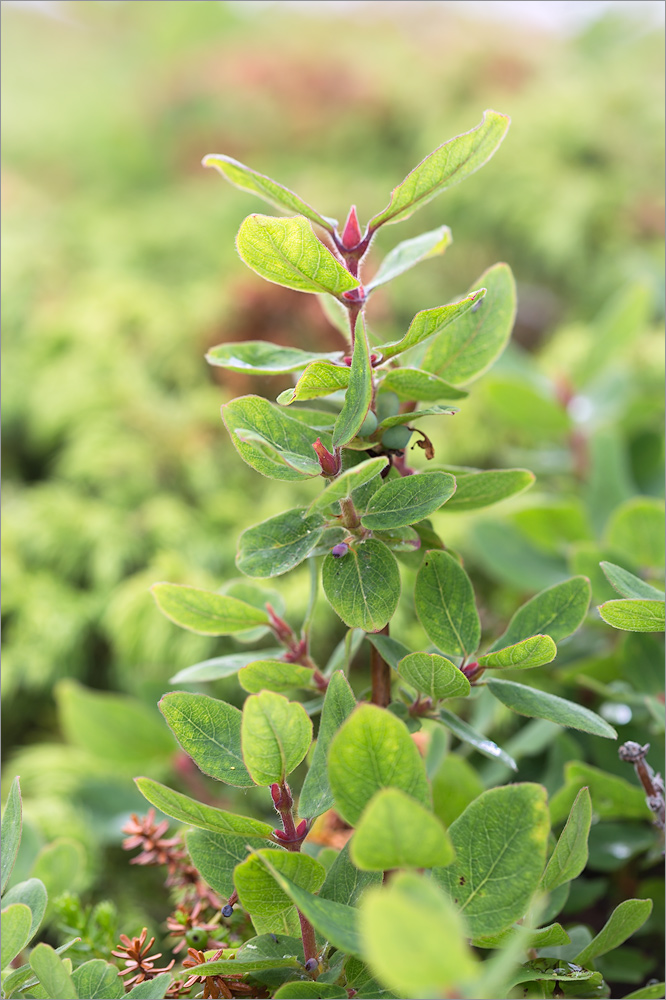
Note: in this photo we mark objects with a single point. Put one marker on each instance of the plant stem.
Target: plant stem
(284, 803)
(380, 673)
(653, 784)
(350, 518)
(309, 942)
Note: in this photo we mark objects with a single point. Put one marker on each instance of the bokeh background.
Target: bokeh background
(119, 271)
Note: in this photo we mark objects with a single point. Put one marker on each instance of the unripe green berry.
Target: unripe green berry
(396, 438)
(369, 425)
(387, 405)
(197, 937)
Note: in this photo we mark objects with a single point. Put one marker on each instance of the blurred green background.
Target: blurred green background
(119, 271)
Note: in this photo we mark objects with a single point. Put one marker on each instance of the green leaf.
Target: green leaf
(629, 585)
(532, 652)
(373, 750)
(287, 252)
(542, 705)
(275, 194)
(634, 615)
(415, 940)
(277, 545)
(204, 611)
(274, 675)
(321, 378)
(429, 322)
(551, 936)
(556, 611)
(276, 735)
(339, 702)
(260, 357)
(412, 383)
(309, 991)
(270, 439)
(97, 979)
(653, 992)
(409, 253)
(570, 855)
(11, 831)
(204, 817)
(220, 966)
(477, 338)
(622, 923)
(445, 604)
(434, 676)
(52, 973)
(18, 978)
(482, 489)
(344, 882)
(345, 484)
(222, 666)
(480, 742)
(409, 418)
(404, 501)
(395, 831)
(151, 989)
(335, 921)
(210, 732)
(500, 843)
(117, 729)
(262, 897)
(454, 785)
(612, 796)
(33, 893)
(363, 586)
(359, 393)
(532, 409)
(449, 164)
(215, 855)
(267, 948)
(16, 924)
(636, 530)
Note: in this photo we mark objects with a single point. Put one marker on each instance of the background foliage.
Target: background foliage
(119, 272)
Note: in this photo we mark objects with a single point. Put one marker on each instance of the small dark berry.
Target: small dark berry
(227, 911)
(311, 964)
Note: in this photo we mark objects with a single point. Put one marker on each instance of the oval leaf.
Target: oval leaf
(570, 855)
(339, 702)
(500, 842)
(622, 923)
(33, 893)
(430, 322)
(477, 338)
(629, 585)
(204, 611)
(532, 652)
(275, 194)
(449, 164)
(542, 705)
(467, 734)
(371, 751)
(204, 817)
(16, 924)
(349, 481)
(556, 611)
(363, 586)
(445, 604)
(215, 856)
(210, 732)
(319, 379)
(279, 544)
(482, 489)
(434, 676)
(221, 666)
(409, 253)
(634, 615)
(395, 831)
(11, 831)
(412, 383)
(359, 392)
(276, 735)
(274, 675)
(260, 357)
(404, 501)
(287, 252)
(269, 440)
(257, 889)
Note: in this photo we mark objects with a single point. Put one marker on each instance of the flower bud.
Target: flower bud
(302, 828)
(351, 234)
(339, 550)
(330, 464)
(276, 795)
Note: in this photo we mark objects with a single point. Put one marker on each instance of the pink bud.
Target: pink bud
(330, 464)
(281, 835)
(302, 828)
(276, 795)
(351, 234)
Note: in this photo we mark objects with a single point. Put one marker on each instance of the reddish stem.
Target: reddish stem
(380, 674)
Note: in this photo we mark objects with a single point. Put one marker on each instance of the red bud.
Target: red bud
(351, 234)
(281, 835)
(330, 464)
(276, 795)
(302, 828)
